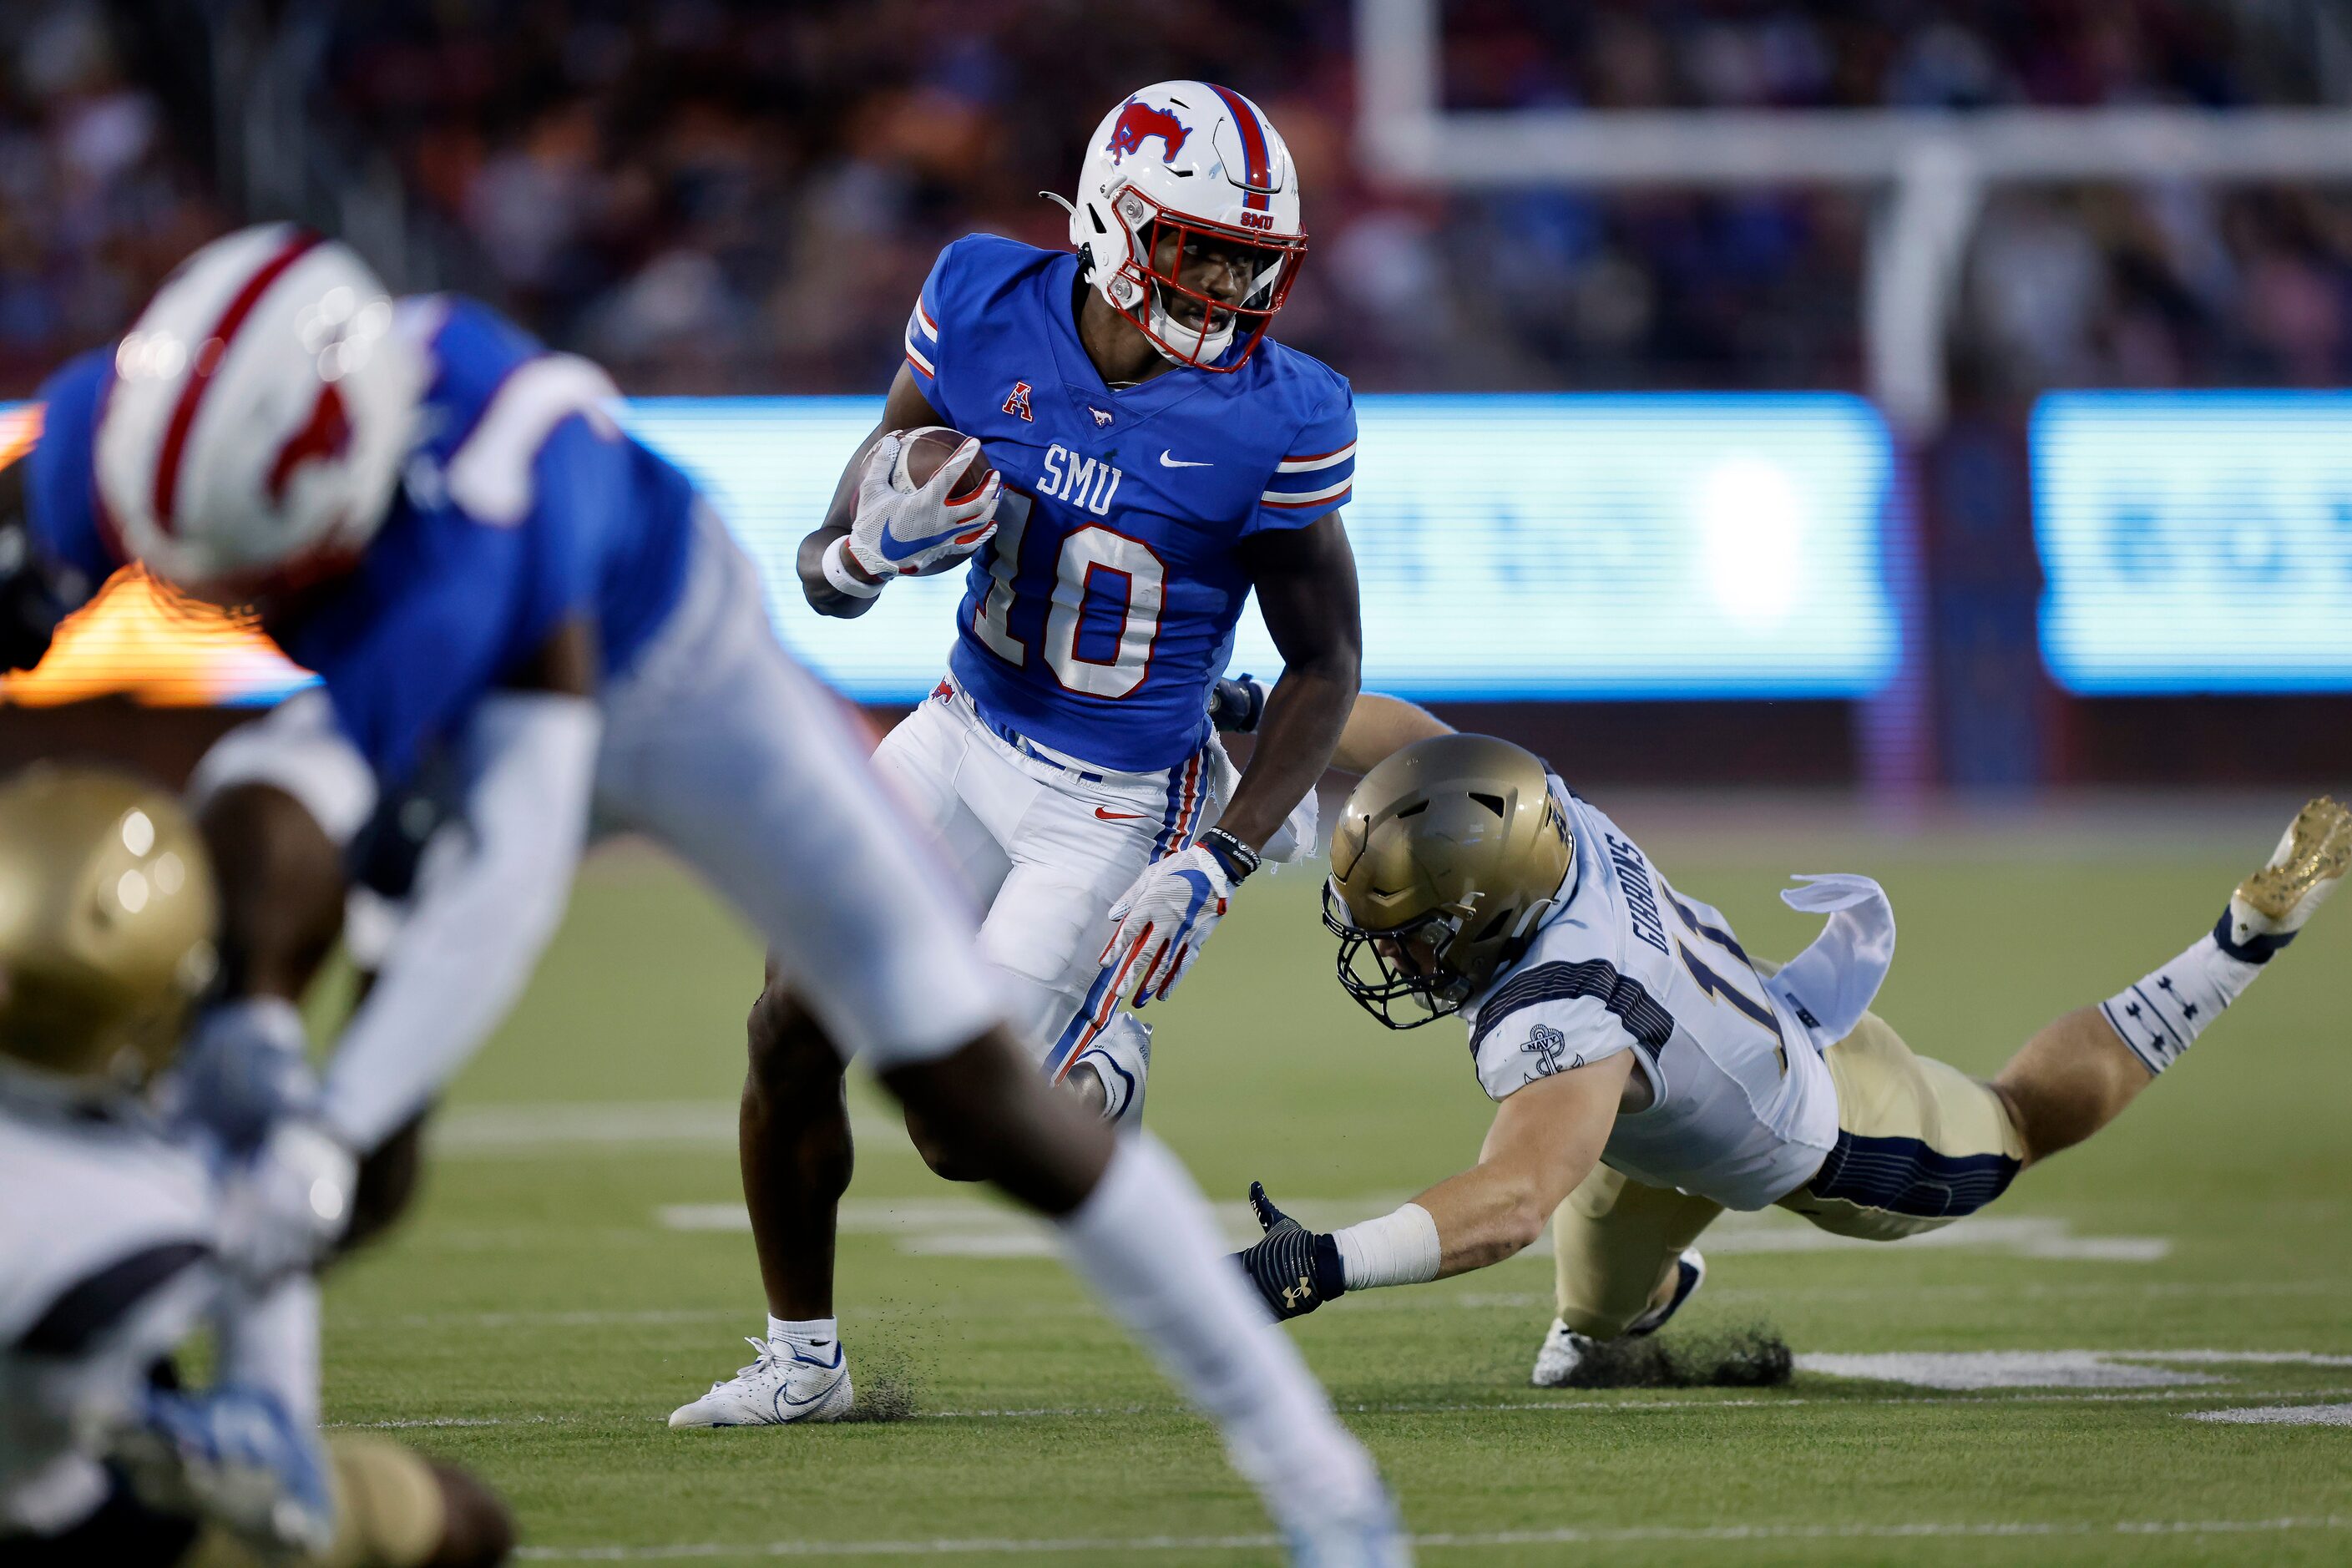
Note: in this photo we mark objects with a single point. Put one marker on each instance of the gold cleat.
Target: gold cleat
(2272, 904)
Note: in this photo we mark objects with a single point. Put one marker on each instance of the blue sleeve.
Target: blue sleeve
(583, 511)
(927, 346)
(1316, 474)
(59, 481)
(418, 639)
(450, 605)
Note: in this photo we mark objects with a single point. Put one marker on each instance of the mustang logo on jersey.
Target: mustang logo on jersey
(1083, 482)
(1137, 123)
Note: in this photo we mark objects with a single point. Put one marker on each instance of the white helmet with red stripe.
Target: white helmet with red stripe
(261, 410)
(1189, 159)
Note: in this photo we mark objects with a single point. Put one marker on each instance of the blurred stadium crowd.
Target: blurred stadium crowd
(732, 195)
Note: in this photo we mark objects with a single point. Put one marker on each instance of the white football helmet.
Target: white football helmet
(261, 410)
(1186, 158)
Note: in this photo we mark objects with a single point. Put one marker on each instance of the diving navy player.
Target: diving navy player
(1159, 459)
(443, 522)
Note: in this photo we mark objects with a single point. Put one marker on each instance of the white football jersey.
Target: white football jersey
(1744, 1111)
(106, 1233)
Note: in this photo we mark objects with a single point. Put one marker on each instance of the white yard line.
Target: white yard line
(2280, 1415)
(971, 1227)
(546, 1130)
(1549, 1407)
(2051, 1368)
(1573, 1406)
(1728, 1534)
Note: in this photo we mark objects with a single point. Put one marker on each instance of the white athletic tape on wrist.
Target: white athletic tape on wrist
(837, 572)
(1399, 1249)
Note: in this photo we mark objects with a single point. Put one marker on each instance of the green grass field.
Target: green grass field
(578, 1268)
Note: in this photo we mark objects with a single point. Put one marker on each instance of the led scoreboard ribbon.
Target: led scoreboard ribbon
(1519, 546)
(1514, 546)
(2195, 540)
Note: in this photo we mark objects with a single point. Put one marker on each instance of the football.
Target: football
(921, 452)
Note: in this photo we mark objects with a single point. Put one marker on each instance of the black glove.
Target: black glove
(1236, 704)
(1295, 1269)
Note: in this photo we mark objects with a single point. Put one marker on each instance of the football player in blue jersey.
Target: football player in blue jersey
(441, 520)
(1157, 458)
(1160, 458)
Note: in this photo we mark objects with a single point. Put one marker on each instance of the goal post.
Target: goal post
(1931, 171)
(1933, 167)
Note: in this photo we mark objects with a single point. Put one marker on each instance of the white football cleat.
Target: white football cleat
(1374, 1540)
(1564, 1349)
(784, 1383)
(2271, 905)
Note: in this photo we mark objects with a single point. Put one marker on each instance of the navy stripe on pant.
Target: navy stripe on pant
(1905, 1177)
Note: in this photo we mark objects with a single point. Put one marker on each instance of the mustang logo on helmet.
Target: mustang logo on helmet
(1137, 124)
(324, 437)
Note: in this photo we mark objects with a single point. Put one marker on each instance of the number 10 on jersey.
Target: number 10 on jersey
(1121, 573)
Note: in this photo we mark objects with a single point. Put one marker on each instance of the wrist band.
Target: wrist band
(1399, 1248)
(838, 572)
(1237, 858)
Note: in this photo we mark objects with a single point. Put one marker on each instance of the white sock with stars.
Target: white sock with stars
(2161, 1016)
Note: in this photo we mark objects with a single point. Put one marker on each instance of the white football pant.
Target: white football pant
(717, 744)
(1046, 843)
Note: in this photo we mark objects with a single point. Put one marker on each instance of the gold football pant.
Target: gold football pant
(1919, 1145)
(388, 1514)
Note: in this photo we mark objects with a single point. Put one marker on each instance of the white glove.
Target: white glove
(283, 1209)
(898, 532)
(242, 1072)
(233, 1456)
(1162, 923)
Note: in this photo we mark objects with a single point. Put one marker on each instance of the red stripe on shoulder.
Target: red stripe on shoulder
(1318, 500)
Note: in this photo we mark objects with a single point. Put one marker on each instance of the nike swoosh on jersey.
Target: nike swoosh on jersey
(1169, 460)
(1117, 816)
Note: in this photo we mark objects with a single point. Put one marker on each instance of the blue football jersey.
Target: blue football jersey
(1102, 610)
(522, 507)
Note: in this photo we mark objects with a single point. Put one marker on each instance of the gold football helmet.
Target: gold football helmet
(107, 922)
(1444, 858)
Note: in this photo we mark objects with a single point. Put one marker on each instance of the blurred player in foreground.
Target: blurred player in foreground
(442, 521)
(110, 1233)
(1156, 459)
(1651, 1074)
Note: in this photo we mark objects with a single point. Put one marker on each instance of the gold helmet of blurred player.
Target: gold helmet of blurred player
(106, 920)
(1444, 858)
